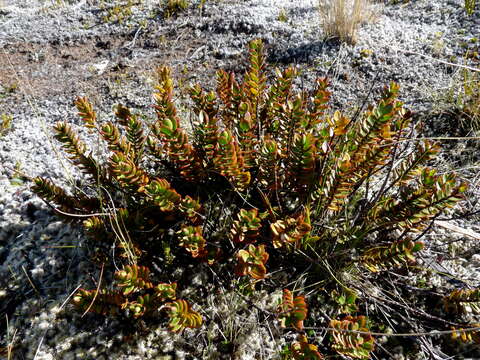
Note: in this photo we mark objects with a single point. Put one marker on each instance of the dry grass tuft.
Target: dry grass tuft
(341, 18)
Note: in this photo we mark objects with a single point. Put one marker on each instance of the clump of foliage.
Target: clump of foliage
(461, 100)
(302, 350)
(468, 99)
(282, 16)
(266, 172)
(461, 301)
(8, 89)
(5, 123)
(119, 11)
(137, 294)
(341, 19)
(470, 6)
(356, 345)
(173, 7)
(469, 335)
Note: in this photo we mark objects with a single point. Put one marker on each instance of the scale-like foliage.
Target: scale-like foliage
(144, 304)
(96, 228)
(192, 240)
(133, 278)
(191, 208)
(115, 141)
(133, 127)
(415, 206)
(246, 128)
(203, 102)
(365, 149)
(103, 302)
(302, 350)
(207, 134)
(289, 231)
(178, 148)
(182, 316)
(168, 131)
(86, 112)
(462, 301)
(412, 167)
(76, 150)
(246, 228)
(292, 311)
(229, 92)
(346, 341)
(255, 80)
(53, 193)
(71, 204)
(162, 194)
(230, 162)
(466, 335)
(303, 159)
(320, 103)
(269, 172)
(127, 174)
(252, 262)
(396, 254)
(137, 294)
(166, 292)
(280, 91)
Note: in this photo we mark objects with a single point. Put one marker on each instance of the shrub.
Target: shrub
(268, 177)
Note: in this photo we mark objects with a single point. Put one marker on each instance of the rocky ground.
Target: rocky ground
(52, 51)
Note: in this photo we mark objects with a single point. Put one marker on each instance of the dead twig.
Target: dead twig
(96, 292)
(457, 229)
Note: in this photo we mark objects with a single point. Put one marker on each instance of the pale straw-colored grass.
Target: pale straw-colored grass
(341, 18)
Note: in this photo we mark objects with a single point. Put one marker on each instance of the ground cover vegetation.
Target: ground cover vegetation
(267, 176)
(120, 11)
(341, 19)
(470, 6)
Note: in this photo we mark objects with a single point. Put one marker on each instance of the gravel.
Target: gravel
(52, 51)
